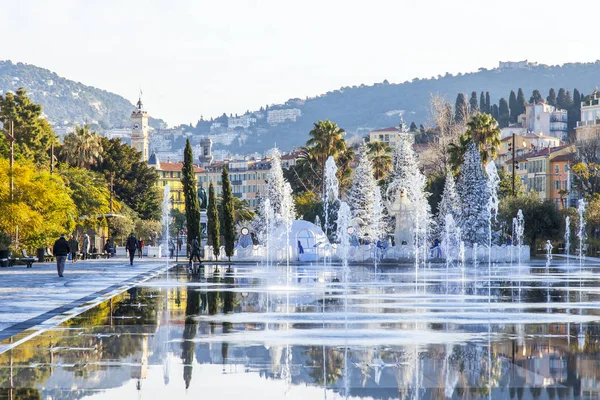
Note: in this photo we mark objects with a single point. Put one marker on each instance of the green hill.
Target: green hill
(361, 108)
(65, 101)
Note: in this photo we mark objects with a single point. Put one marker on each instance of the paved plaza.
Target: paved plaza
(36, 299)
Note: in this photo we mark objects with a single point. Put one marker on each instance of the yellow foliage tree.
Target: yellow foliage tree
(42, 208)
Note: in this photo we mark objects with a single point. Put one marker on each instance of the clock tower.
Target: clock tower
(139, 129)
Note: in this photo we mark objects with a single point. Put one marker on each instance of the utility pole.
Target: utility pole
(111, 192)
(514, 150)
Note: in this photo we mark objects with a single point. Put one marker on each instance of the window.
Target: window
(557, 202)
(171, 174)
(387, 138)
(380, 137)
(556, 185)
(556, 169)
(566, 167)
(564, 185)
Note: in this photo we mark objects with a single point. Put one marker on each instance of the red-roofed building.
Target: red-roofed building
(387, 135)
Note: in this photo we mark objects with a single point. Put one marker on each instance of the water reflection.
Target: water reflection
(233, 330)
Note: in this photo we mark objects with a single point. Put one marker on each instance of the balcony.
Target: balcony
(588, 123)
(237, 183)
(238, 195)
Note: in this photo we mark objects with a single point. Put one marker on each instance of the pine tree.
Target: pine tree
(521, 103)
(413, 127)
(192, 206)
(488, 103)
(276, 183)
(474, 195)
(449, 204)
(214, 229)
(512, 104)
(575, 110)
(473, 105)
(361, 196)
(482, 106)
(461, 109)
(228, 217)
(561, 99)
(551, 99)
(536, 96)
(503, 113)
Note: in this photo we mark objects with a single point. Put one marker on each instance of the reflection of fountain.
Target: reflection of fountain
(567, 236)
(581, 234)
(519, 230)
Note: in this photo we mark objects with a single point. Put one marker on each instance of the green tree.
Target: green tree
(413, 127)
(482, 105)
(512, 104)
(551, 99)
(488, 104)
(542, 219)
(32, 132)
(82, 148)
(563, 99)
(496, 113)
(505, 185)
(214, 228)
(228, 217)
(503, 113)
(308, 206)
(535, 97)
(381, 158)
(521, 102)
(482, 129)
(473, 105)
(326, 139)
(190, 192)
(461, 108)
(88, 190)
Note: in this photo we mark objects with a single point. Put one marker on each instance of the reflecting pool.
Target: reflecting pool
(245, 332)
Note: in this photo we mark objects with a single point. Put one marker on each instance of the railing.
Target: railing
(237, 182)
(588, 123)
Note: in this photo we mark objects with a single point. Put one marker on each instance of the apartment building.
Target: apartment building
(169, 173)
(275, 117)
(589, 126)
(387, 135)
(562, 192)
(547, 120)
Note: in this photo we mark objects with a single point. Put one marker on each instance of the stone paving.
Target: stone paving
(34, 299)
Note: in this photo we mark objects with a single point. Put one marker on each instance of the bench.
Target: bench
(4, 262)
(48, 256)
(28, 260)
(98, 255)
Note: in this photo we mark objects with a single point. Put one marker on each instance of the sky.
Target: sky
(201, 57)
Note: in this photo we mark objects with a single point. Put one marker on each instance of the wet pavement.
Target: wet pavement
(523, 332)
(37, 297)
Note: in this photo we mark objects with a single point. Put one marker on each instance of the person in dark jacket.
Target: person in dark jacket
(195, 250)
(74, 245)
(61, 250)
(131, 246)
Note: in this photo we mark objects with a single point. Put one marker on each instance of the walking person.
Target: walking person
(74, 246)
(195, 250)
(140, 248)
(86, 246)
(61, 250)
(131, 246)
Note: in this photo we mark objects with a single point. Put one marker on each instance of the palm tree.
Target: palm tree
(483, 130)
(327, 139)
(380, 154)
(82, 148)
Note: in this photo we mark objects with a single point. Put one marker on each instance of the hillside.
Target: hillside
(361, 108)
(65, 101)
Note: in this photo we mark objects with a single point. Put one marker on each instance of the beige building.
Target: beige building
(387, 135)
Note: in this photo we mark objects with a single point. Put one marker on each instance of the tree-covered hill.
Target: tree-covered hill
(361, 108)
(65, 101)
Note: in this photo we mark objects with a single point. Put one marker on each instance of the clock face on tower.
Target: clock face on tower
(136, 126)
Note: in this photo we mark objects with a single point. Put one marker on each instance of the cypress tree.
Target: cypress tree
(461, 109)
(535, 97)
(521, 102)
(413, 127)
(482, 106)
(551, 99)
(503, 113)
(192, 206)
(214, 228)
(495, 112)
(488, 103)
(228, 217)
(473, 105)
(512, 104)
(561, 99)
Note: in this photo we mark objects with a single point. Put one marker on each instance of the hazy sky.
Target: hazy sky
(200, 57)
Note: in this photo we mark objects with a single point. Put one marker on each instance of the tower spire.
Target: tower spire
(140, 105)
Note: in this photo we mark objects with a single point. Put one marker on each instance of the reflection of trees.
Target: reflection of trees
(334, 364)
(192, 308)
(105, 336)
(19, 394)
